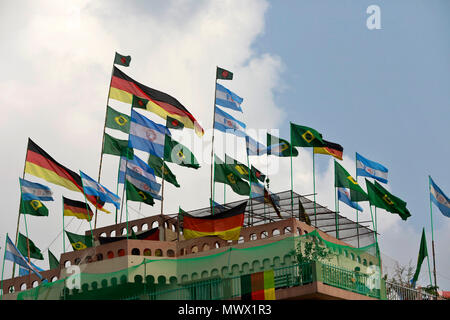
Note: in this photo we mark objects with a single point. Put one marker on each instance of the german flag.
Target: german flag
(152, 234)
(330, 148)
(123, 88)
(40, 164)
(226, 224)
(258, 286)
(77, 209)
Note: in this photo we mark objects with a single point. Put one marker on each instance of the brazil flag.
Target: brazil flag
(79, 242)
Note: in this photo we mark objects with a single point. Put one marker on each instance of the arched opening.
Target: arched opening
(35, 284)
(217, 244)
(158, 253)
(113, 233)
(241, 239)
(110, 254)
(194, 249)
(287, 230)
(170, 253)
(135, 252)
(253, 237)
(147, 252)
(155, 224)
(135, 228)
(144, 226)
(264, 235)
(121, 252)
(275, 232)
(67, 263)
(99, 257)
(205, 247)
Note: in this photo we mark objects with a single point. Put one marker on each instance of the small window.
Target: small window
(121, 252)
(147, 252)
(170, 253)
(253, 237)
(158, 253)
(135, 252)
(110, 254)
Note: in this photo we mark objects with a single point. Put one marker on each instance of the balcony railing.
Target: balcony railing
(395, 291)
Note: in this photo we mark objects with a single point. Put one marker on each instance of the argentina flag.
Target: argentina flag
(344, 196)
(147, 135)
(372, 169)
(227, 98)
(92, 187)
(139, 170)
(254, 148)
(13, 254)
(227, 123)
(439, 199)
(35, 191)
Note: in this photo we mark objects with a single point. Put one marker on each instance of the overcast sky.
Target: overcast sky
(383, 93)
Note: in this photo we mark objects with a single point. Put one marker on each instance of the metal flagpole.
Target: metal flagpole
(64, 228)
(314, 188)
(432, 234)
(336, 210)
(250, 191)
(162, 205)
(292, 181)
(357, 215)
(428, 261)
(103, 138)
(26, 230)
(3, 267)
(212, 146)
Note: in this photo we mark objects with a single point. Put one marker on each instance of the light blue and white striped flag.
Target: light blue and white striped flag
(13, 254)
(147, 135)
(139, 170)
(227, 123)
(439, 198)
(344, 196)
(228, 99)
(35, 191)
(92, 187)
(372, 169)
(254, 148)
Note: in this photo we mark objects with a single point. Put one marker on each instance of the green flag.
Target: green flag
(223, 74)
(122, 60)
(138, 102)
(423, 252)
(342, 179)
(79, 242)
(255, 174)
(279, 147)
(35, 252)
(177, 153)
(181, 214)
(34, 208)
(173, 123)
(136, 194)
(158, 165)
(224, 174)
(54, 263)
(117, 120)
(302, 136)
(238, 168)
(117, 147)
(381, 198)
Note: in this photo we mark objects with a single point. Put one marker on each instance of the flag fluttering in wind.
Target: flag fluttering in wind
(79, 242)
(227, 123)
(238, 168)
(173, 123)
(371, 169)
(225, 225)
(40, 164)
(147, 135)
(123, 88)
(117, 120)
(134, 193)
(33, 207)
(117, 147)
(224, 173)
(24, 271)
(423, 252)
(227, 98)
(330, 148)
(439, 198)
(344, 196)
(381, 198)
(122, 60)
(138, 170)
(254, 148)
(53, 262)
(35, 191)
(302, 136)
(223, 74)
(13, 254)
(279, 147)
(177, 153)
(35, 252)
(77, 209)
(160, 167)
(92, 187)
(344, 180)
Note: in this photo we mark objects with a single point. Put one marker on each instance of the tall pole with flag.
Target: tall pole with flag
(357, 215)
(123, 61)
(432, 232)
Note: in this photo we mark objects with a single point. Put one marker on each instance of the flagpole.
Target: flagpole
(103, 137)
(3, 267)
(336, 209)
(26, 230)
(126, 204)
(428, 262)
(117, 189)
(250, 191)
(20, 206)
(357, 215)
(432, 234)
(292, 180)
(314, 188)
(212, 145)
(162, 206)
(64, 228)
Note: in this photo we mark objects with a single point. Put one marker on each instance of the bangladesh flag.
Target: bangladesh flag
(158, 165)
(122, 60)
(35, 252)
(117, 120)
(117, 147)
(256, 174)
(79, 242)
(223, 74)
(34, 208)
(381, 198)
(54, 263)
(279, 147)
(177, 153)
(224, 174)
(136, 194)
(138, 102)
(302, 136)
(173, 123)
(342, 179)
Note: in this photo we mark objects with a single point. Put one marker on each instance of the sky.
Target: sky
(382, 93)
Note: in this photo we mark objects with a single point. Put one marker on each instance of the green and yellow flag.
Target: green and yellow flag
(34, 208)
(177, 153)
(117, 147)
(225, 174)
(159, 166)
(117, 120)
(136, 194)
(381, 198)
(302, 136)
(79, 242)
(35, 252)
(279, 147)
(342, 179)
